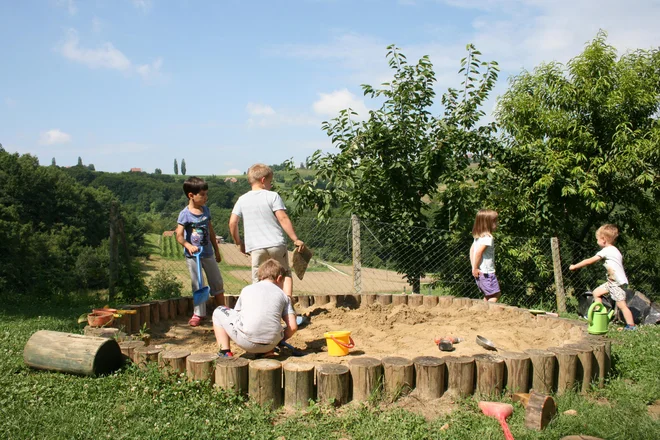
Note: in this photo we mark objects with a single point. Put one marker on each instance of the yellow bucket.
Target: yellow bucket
(339, 342)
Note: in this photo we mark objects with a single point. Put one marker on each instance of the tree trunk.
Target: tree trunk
(600, 360)
(232, 374)
(539, 411)
(298, 384)
(173, 302)
(333, 384)
(399, 375)
(518, 366)
(163, 309)
(154, 311)
(265, 382)
(173, 361)
(490, 374)
(585, 364)
(429, 376)
(543, 370)
(128, 349)
(199, 366)
(367, 375)
(567, 368)
(144, 355)
(460, 375)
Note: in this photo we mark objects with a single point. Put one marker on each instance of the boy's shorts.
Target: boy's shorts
(488, 284)
(259, 256)
(226, 318)
(616, 291)
(212, 271)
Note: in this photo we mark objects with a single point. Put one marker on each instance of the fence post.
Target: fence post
(114, 251)
(357, 255)
(559, 279)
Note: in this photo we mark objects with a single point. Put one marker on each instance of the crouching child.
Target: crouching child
(255, 323)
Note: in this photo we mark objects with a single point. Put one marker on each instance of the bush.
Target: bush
(164, 285)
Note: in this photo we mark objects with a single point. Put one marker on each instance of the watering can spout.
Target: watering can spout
(610, 315)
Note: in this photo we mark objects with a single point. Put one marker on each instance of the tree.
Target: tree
(2, 150)
(388, 164)
(183, 167)
(91, 167)
(80, 162)
(158, 171)
(581, 143)
(176, 167)
(53, 163)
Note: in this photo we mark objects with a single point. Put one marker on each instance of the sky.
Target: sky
(227, 83)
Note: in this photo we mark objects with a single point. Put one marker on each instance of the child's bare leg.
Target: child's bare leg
(598, 293)
(221, 337)
(627, 314)
(288, 286)
(494, 298)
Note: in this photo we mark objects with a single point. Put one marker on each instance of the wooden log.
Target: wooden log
(182, 306)
(145, 355)
(566, 368)
(163, 309)
(429, 376)
(265, 382)
(517, 371)
(199, 366)
(321, 300)
(415, 300)
(210, 305)
(445, 301)
(398, 375)
(298, 384)
(102, 332)
(136, 323)
(543, 370)
(369, 299)
(232, 374)
(173, 361)
(128, 349)
(429, 300)
(600, 361)
(539, 411)
(70, 353)
(367, 377)
(124, 323)
(350, 301)
(305, 301)
(385, 299)
(174, 308)
(460, 375)
(399, 299)
(490, 374)
(230, 300)
(145, 315)
(154, 311)
(333, 384)
(585, 370)
(462, 302)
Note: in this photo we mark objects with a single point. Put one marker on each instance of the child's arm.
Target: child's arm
(291, 326)
(214, 243)
(233, 230)
(585, 262)
(476, 259)
(182, 240)
(287, 226)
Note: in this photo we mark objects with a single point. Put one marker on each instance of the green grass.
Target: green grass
(138, 404)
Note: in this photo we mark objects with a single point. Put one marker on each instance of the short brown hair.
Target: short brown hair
(270, 270)
(194, 185)
(258, 171)
(609, 232)
(484, 222)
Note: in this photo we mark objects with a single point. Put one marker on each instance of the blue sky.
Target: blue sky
(224, 84)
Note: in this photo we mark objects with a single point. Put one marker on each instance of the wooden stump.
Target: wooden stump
(154, 310)
(298, 384)
(174, 308)
(163, 309)
(128, 349)
(566, 368)
(305, 301)
(367, 377)
(182, 306)
(462, 302)
(600, 360)
(429, 376)
(210, 305)
(460, 375)
(232, 374)
(385, 299)
(145, 315)
(173, 361)
(543, 370)
(490, 374)
(102, 332)
(199, 366)
(369, 299)
(69, 353)
(539, 411)
(265, 382)
(145, 355)
(321, 300)
(398, 375)
(399, 299)
(350, 301)
(585, 364)
(518, 366)
(333, 384)
(415, 300)
(136, 323)
(124, 323)
(445, 301)
(429, 300)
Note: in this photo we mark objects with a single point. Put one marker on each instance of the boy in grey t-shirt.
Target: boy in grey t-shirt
(264, 223)
(255, 323)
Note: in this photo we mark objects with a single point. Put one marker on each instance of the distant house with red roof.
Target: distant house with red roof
(136, 170)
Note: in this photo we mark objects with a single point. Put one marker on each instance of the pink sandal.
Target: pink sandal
(195, 321)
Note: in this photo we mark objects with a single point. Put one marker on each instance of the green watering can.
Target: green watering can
(598, 318)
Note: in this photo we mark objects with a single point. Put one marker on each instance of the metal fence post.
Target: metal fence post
(357, 255)
(559, 279)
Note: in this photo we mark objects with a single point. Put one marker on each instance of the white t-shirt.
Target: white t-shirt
(613, 264)
(260, 226)
(260, 308)
(488, 257)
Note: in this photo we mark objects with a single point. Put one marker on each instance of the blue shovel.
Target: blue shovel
(201, 295)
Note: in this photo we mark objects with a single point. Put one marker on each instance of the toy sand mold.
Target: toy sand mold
(301, 259)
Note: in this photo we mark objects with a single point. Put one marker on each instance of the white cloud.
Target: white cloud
(144, 5)
(255, 109)
(54, 137)
(330, 104)
(234, 172)
(70, 6)
(150, 71)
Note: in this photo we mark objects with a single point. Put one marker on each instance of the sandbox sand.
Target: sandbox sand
(380, 331)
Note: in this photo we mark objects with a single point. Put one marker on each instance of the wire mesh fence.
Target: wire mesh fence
(353, 256)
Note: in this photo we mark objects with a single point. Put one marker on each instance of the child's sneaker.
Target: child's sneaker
(225, 354)
(630, 327)
(195, 321)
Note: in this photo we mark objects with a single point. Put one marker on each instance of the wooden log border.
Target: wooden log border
(450, 382)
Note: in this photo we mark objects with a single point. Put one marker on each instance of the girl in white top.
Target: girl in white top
(482, 254)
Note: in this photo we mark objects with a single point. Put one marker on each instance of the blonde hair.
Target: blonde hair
(270, 270)
(609, 232)
(484, 222)
(257, 172)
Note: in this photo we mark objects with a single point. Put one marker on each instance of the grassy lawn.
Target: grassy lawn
(137, 404)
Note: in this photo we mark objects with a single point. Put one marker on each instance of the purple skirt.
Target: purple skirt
(488, 284)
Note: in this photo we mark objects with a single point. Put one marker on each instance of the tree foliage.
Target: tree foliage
(176, 167)
(183, 167)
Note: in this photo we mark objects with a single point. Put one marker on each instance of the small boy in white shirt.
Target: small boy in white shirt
(616, 276)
